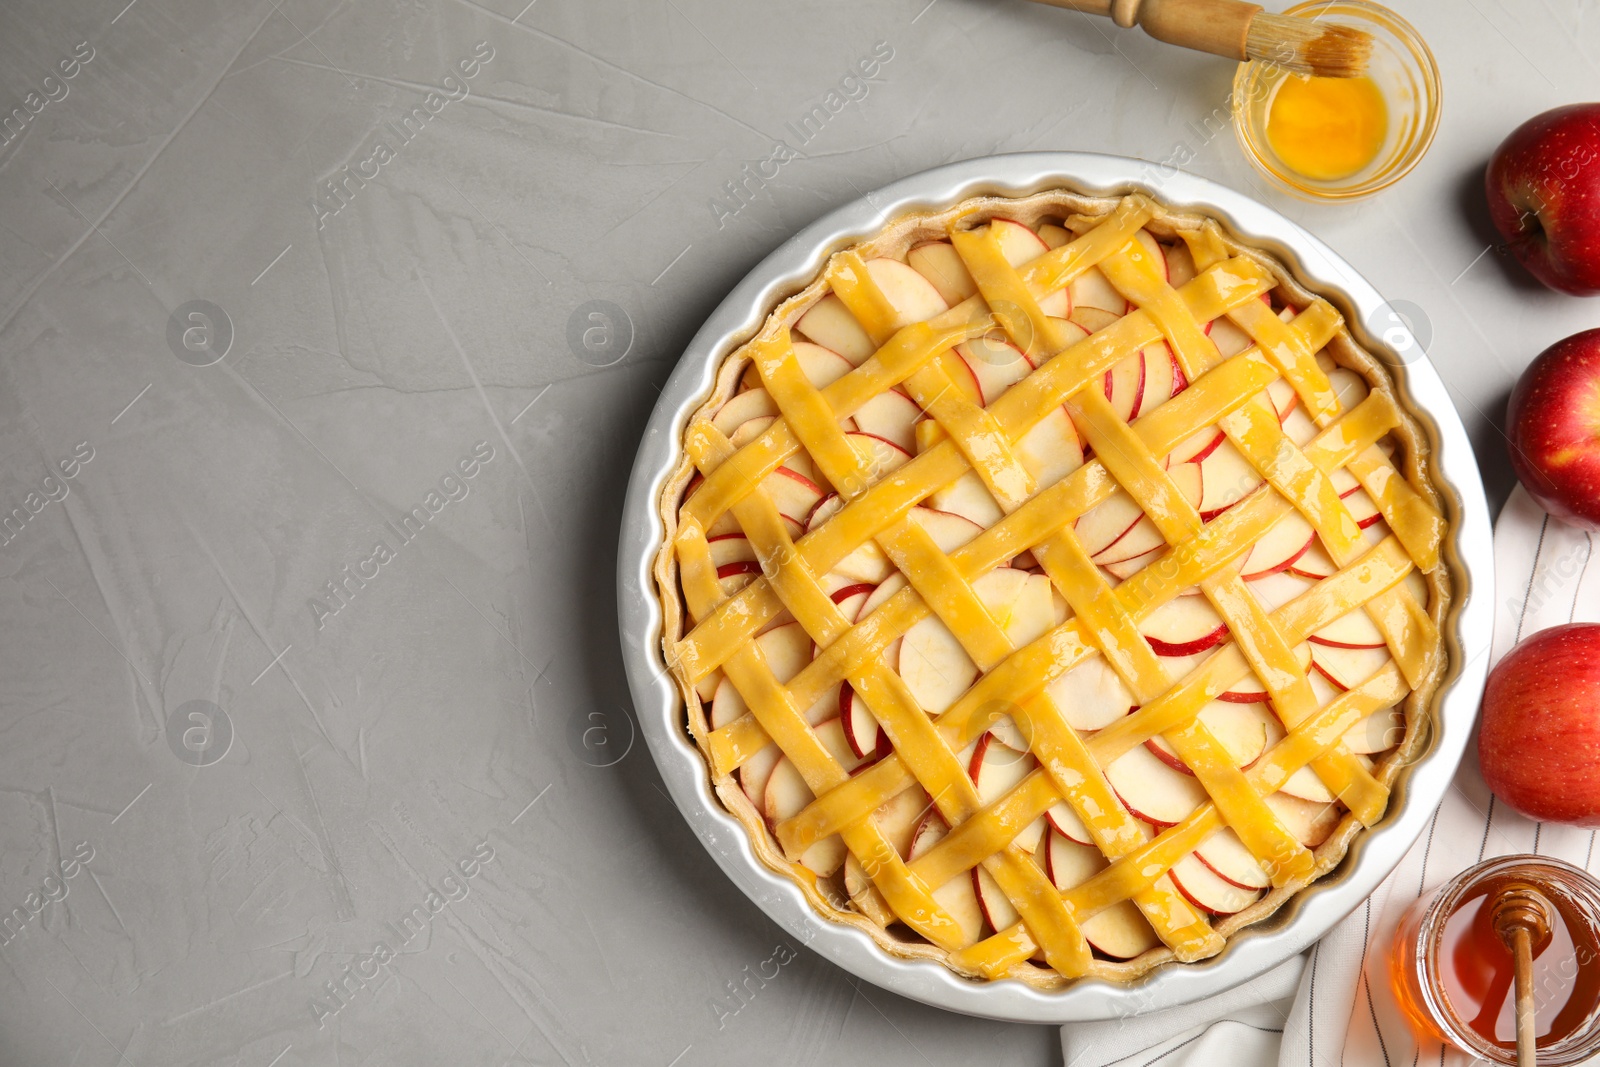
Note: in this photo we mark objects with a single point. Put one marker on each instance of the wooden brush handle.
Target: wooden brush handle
(1220, 27)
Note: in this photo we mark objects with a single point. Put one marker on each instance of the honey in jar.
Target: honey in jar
(1455, 977)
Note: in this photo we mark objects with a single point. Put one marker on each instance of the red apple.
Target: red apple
(1544, 196)
(1553, 426)
(1539, 739)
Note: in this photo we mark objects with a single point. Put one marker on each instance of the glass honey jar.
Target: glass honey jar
(1453, 975)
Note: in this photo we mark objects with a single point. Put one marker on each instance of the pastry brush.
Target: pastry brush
(1242, 31)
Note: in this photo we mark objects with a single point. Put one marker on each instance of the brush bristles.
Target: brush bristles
(1307, 47)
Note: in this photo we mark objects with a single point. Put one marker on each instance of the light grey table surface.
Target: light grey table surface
(207, 883)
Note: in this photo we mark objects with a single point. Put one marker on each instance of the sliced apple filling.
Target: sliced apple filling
(1057, 592)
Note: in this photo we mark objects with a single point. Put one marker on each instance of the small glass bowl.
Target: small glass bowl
(1404, 70)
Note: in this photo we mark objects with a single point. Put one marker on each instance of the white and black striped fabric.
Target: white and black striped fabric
(1332, 1006)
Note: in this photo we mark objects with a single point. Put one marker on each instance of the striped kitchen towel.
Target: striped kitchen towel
(1333, 1005)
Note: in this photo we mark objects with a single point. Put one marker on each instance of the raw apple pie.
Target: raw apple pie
(1054, 586)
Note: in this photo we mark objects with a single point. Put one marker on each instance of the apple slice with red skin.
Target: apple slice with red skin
(886, 589)
(866, 563)
(948, 531)
(706, 688)
(1091, 320)
(755, 772)
(1275, 589)
(939, 262)
(1229, 860)
(1305, 784)
(865, 736)
(1149, 247)
(1243, 730)
(880, 456)
(911, 295)
(1348, 667)
(742, 407)
(1229, 339)
(821, 366)
(1066, 823)
(733, 577)
(829, 323)
(1124, 386)
(891, 415)
(1184, 626)
(826, 508)
(1315, 564)
(831, 733)
(1180, 667)
(1124, 569)
(997, 909)
(1354, 629)
(957, 897)
(730, 548)
(1197, 446)
(850, 598)
(1308, 822)
(787, 650)
(1119, 931)
(1298, 427)
(860, 728)
(996, 364)
(1020, 245)
(968, 497)
(1091, 289)
(1090, 695)
(1348, 386)
(899, 817)
(1069, 863)
(1326, 690)
(749, 429)
(1361, 506)
(794, 494)
(1054, 236)
(1209, 891)
(1227, 479)
(1151, 790)
(1252, 690)
(1283, 397)
(1162, 750)
(786, 795)
(1377, 732)
(1104, 524)
(1021, 604)
(1164, 379)
(996, 768)
(1235, 339)
(1278, 549)
(1143, 537)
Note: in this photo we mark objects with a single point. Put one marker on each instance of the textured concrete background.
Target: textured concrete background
(285, 780)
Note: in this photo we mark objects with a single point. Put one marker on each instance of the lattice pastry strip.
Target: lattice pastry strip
(970, 432)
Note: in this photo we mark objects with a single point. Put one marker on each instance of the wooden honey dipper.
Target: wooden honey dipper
(1523, 917)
